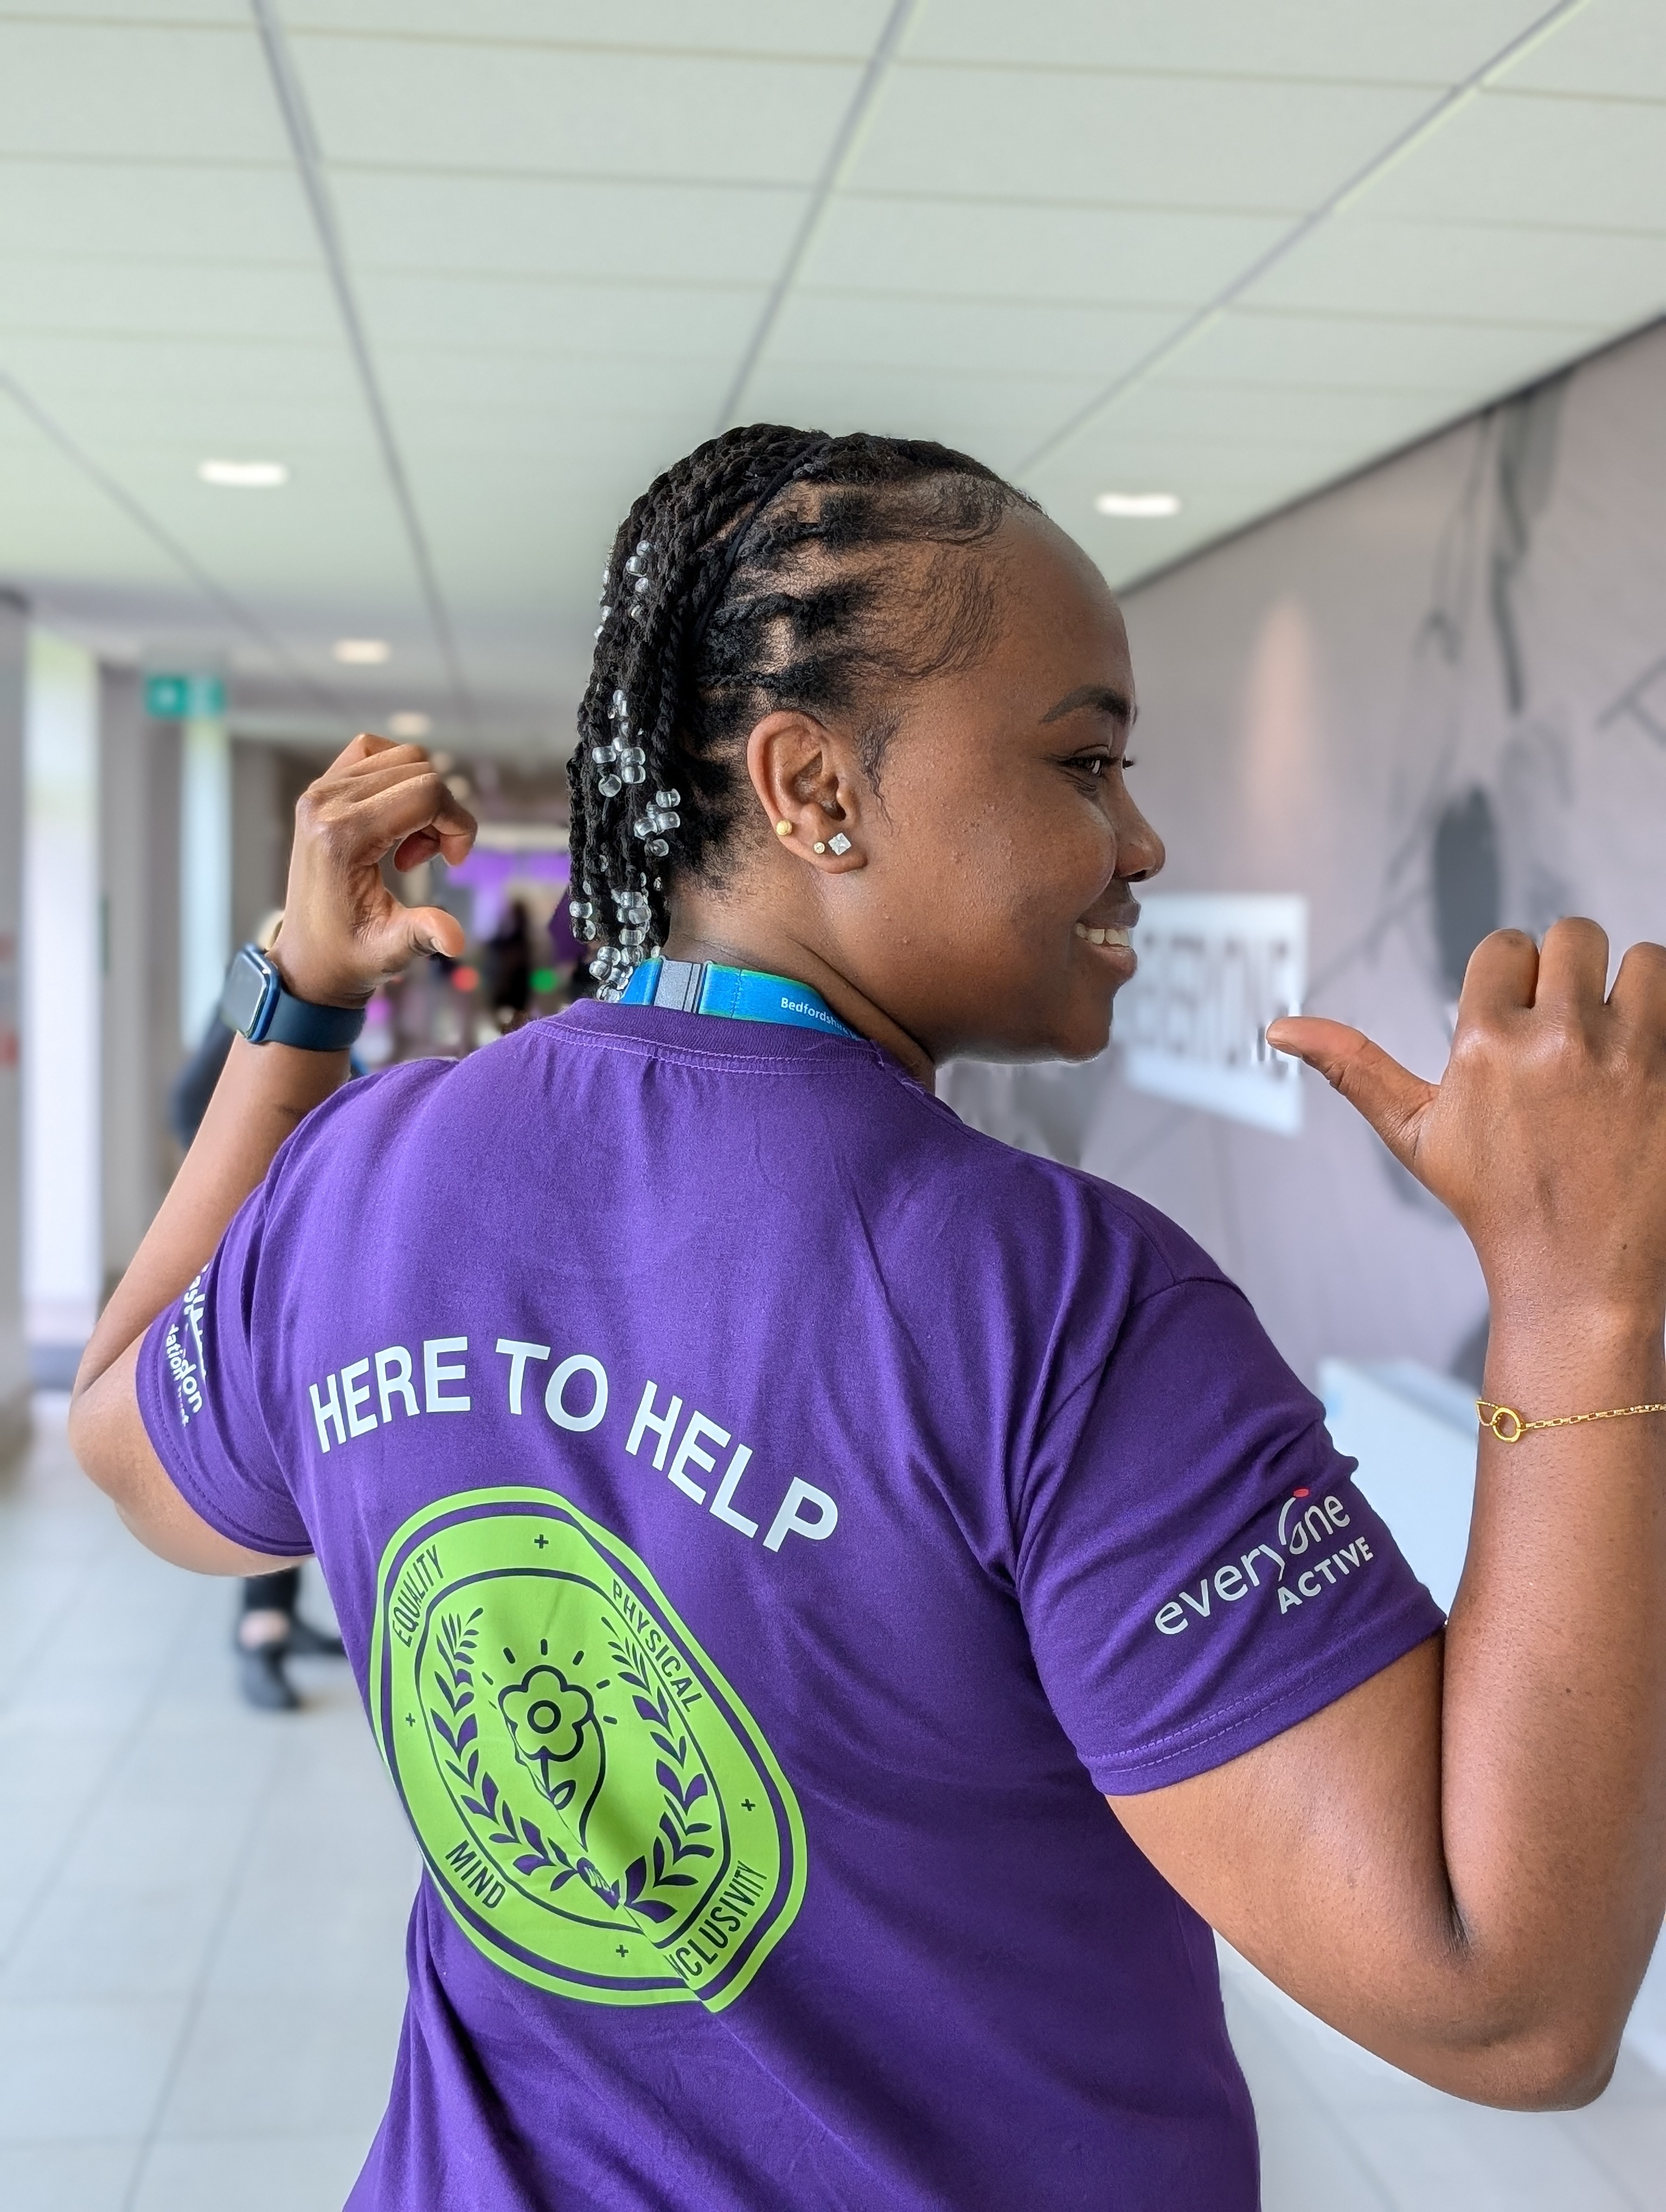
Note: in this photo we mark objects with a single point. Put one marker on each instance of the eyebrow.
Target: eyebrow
(1100, 697)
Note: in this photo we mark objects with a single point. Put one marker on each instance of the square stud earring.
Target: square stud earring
(840, 844)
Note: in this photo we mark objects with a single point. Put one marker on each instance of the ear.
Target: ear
(807, 781)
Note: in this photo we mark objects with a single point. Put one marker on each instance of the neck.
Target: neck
(728, 943)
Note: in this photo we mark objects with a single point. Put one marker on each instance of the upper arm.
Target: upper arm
(1318, 1855)
(108, 1435)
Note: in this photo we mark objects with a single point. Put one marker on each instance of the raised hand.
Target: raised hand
(343, 931)
(1547, 1135)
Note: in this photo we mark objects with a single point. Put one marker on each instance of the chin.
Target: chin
(1075, 1033)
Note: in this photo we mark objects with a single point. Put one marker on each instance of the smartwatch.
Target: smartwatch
(255, 1004)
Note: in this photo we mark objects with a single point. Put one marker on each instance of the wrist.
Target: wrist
(316, 982)
(1541, 1358)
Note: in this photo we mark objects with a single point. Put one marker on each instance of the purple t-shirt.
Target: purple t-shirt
(765, 1516)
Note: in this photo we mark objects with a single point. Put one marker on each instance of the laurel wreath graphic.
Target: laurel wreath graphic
(458, 1728)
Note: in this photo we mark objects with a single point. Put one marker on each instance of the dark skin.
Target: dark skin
(1462, 1863)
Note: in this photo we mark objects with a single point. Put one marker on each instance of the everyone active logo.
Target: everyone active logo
(597, 1807)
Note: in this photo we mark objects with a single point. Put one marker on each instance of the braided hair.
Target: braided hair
(763, 571)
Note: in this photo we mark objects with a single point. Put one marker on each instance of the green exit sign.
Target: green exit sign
(184, 698)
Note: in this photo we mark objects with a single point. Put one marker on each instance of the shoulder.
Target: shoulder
(1021, 1196)
(362, 1121)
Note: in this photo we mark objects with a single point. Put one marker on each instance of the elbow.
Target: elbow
(89, 1440)
(79, 1431)
(1556, 2068)
(1569, 2075)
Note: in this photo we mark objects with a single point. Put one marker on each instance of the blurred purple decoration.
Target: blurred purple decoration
(489, 873)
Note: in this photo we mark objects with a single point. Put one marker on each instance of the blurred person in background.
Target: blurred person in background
(270, 1627)
(506, 961)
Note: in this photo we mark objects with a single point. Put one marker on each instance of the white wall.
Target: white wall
(61, 993)
(1322, 700)
(14, 1362)
(205, 893)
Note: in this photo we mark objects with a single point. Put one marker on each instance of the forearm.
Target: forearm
(1552, 1807)
(343, 933)
(265, 1092)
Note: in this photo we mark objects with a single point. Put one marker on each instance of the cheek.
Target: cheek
(1054, 863)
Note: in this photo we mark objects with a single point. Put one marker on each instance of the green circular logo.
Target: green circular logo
(595, 1803)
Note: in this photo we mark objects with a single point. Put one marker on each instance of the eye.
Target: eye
(1097, 764)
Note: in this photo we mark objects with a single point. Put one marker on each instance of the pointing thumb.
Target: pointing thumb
(1390, 1096)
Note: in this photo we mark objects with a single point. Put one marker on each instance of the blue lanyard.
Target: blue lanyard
(696, 987)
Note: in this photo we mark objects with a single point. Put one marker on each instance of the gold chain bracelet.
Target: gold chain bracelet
(1508, 1427)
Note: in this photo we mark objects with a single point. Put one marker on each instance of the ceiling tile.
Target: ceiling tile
(157, 14)
(1164, 415)
(132, 371)
(954, 337)
(438, 106)
(54, 521)
(1518, 158)
(1617, 50)
(671, 324)
(163, 93)
(1452, 270)
(1136, 141)
(524, 407)
(847, 27)
(996, 418)
(624, 229)
(162, 211)
(1248, 347)
(1416, 41)
(988, 249)
(290, 305)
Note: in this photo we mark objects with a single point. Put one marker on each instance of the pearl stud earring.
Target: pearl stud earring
(783, 828)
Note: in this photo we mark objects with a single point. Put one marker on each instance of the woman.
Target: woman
(765, 1558)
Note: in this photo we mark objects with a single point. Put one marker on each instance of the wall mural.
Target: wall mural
(1431, 701)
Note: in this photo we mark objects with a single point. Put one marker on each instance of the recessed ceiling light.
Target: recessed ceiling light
(409, 726)
(1144, 506)
(244, 476)
(363, 651)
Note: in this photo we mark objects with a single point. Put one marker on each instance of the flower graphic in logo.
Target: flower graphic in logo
(548, 1719)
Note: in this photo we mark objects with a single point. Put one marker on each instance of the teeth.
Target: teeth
(1122, 937)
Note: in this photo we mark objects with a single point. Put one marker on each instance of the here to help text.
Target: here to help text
(394, 1384)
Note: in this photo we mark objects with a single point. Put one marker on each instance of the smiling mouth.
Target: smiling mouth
(1124, 938)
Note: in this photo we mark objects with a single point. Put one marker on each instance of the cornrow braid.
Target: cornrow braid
(763, 571)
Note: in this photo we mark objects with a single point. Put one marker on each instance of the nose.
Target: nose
(1140, 851)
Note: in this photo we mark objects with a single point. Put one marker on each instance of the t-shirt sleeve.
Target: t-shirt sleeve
(200, 1402)
(1197, 1569)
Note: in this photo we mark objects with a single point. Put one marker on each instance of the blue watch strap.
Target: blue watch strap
(314, 1029)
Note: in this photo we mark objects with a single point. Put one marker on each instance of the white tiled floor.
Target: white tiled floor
(202, 1915)
(202, 1909)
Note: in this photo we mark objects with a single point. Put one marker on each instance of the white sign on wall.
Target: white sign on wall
(1214, 970)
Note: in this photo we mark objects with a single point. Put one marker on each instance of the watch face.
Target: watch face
(250, 986)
